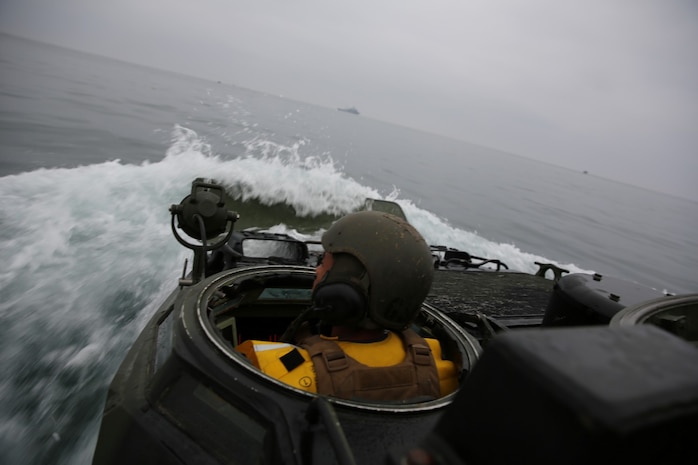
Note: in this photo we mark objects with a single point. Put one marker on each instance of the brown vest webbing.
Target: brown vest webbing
(341, 376)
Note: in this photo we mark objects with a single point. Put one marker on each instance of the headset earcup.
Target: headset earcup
(339, 304)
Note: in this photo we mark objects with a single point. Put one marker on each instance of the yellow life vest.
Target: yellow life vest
(293, 365)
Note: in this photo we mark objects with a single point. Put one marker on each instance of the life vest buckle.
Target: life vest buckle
(421, 354)
(335, 360)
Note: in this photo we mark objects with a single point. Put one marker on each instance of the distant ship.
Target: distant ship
(351, 110)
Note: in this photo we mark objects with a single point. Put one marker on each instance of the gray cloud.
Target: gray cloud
(606, 86)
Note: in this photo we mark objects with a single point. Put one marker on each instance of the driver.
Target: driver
(369, 287)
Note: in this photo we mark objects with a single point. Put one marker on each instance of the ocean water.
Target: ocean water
(93, 152)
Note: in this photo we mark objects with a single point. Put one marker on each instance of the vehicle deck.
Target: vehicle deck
(513, 299)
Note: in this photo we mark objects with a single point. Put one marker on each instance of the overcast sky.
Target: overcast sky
(608, 86)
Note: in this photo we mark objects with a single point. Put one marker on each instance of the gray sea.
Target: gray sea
(93, 152)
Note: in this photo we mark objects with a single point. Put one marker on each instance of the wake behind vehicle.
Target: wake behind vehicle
(185, 395)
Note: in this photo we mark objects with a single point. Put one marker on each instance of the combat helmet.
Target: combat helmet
(394, 270)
